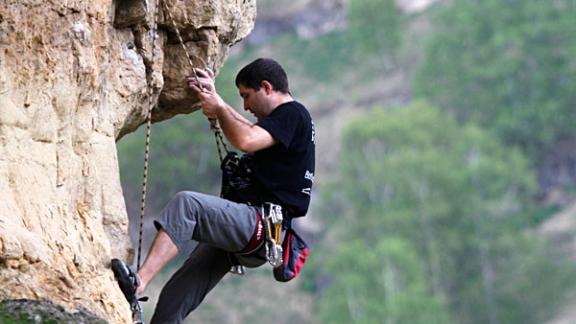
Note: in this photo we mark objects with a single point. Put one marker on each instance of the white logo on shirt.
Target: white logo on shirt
(313, 132)
(309, 176)
(307, 191)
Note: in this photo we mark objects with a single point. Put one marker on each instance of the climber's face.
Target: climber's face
(256, 101)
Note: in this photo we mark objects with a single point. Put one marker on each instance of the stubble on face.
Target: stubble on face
(250, 98)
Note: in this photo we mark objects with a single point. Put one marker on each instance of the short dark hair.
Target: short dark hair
(252, 75)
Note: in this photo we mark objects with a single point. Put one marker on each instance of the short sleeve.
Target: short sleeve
(282, 124)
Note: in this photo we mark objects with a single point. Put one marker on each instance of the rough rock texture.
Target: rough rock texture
(31, 311)
(74, 78)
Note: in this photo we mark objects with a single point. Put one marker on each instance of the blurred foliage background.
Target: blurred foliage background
(446, 144)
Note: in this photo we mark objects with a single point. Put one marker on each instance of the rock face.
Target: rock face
(26, 311)
(75, 76)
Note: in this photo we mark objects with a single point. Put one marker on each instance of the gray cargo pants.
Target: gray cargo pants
(220, 226)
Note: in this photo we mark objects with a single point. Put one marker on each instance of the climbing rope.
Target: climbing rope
(153, 36)
(220, 144)
(213, 122)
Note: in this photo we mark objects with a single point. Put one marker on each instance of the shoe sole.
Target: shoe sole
(122, 276)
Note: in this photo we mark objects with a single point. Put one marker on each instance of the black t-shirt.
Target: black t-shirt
(286, 170)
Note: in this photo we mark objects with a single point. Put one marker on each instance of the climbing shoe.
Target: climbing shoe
(127, 280)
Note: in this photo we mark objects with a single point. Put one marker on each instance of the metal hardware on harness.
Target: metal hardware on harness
(276, 218)
(137, 313)
(137, 310)
(274, 254)
(273, 216)
(238, 269)
(275, 213)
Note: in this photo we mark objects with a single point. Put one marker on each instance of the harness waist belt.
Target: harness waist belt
(257, 238)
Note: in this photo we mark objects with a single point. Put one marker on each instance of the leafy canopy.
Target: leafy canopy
(431, 210)
(509, 65)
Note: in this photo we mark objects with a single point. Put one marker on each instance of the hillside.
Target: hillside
(343, 77)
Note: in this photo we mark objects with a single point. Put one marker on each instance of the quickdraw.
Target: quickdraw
(137, 312)
(273, 217)
(272, 222)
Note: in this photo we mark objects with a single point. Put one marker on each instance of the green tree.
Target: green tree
(508, 65)
(458, 196)
(375, 25)
(382, 282)
(183, 156)
(367, 43)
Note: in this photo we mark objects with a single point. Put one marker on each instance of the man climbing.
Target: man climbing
(281, 146)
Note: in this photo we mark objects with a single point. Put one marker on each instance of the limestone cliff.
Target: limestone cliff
(74, 78)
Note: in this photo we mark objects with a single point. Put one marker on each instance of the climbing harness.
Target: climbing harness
(271, 222)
